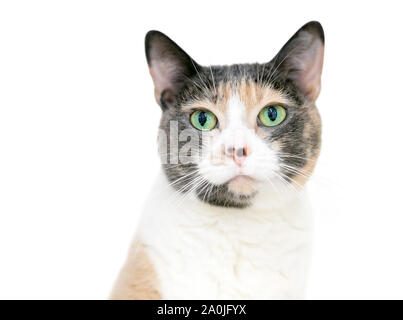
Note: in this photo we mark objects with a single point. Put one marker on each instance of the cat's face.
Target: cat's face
(227, 132)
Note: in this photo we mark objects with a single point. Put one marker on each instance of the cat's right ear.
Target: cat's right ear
(169, 67)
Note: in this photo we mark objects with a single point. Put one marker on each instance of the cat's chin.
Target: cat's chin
(242, 185)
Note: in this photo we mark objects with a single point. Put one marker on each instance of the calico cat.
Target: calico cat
(228, 217)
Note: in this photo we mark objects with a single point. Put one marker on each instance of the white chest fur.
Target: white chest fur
(205, 252)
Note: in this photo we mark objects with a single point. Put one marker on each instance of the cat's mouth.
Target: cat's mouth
(242, 185)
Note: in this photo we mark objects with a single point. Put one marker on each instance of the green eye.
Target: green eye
(272, 115)
(203, 120)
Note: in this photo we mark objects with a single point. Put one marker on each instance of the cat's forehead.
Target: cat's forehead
(242, 99)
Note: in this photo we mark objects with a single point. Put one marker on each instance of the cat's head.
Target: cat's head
(227, 132)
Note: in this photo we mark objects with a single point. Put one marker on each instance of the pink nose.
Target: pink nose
(237, 154)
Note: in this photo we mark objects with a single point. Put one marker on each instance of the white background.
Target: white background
(78, 125)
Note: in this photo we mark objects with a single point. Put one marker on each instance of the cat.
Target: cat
(229, 217)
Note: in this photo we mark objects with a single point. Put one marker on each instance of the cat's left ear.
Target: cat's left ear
(301, 59)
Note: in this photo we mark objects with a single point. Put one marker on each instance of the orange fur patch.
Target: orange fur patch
(137, 279)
